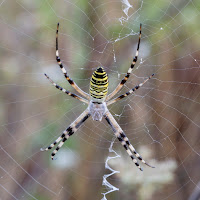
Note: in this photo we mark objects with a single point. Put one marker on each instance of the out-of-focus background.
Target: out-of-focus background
(162, 119)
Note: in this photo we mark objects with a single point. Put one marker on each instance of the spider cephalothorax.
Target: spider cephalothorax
(97, 101)
(97, 110)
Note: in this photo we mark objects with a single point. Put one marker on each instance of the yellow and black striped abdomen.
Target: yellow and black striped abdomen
(99, 85)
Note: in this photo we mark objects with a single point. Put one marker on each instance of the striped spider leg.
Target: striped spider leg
(124, 140)
(123, 81)
(67, 133)
(67, 92)
(129, 92)
(71, 82)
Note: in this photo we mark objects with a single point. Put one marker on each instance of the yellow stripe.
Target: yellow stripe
(99, 73)
(97, 96)
(99, 79)
(98, 89)
(98, 86)
(98, 92)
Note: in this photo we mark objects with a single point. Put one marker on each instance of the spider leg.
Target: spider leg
(124, 140)
(129, 92)
(65, 91)
(123, 81)
(68, 132)
(71, 82)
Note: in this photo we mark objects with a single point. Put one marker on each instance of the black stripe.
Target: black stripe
(99, 82)
(107, 119)
(121, 97)
(132, 157)
(57, 36)
(136, 87)
(100, 69)
(69, 130)
(123, 135)
(123, 81)
(109, 122)
(97, 96)
(135, 59)
(70, 81)
(95, 87)
(140, 158)
(125, 146)
(73, 95)
(99, 76)
(86, 117)
(98, 91)
(120, 139)
(97, 102)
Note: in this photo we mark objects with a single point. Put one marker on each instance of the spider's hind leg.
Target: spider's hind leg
(68, 132)
(124, 144)
(65, 134)
(133, 149)
(124, 140)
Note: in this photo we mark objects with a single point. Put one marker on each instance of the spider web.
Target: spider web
(161, 119)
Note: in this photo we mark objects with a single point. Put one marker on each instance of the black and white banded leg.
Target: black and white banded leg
(65, 91)
(68, 132)
(124, 140)
(129, 92)
(123, 81)
(71, 82)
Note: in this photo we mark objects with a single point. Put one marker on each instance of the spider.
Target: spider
(97, 101)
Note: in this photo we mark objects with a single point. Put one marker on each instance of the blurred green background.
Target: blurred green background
(161, 119)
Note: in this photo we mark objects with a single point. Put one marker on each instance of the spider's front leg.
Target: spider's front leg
(124, 140)
(68, 132)
(123, 81)
(71, 82)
